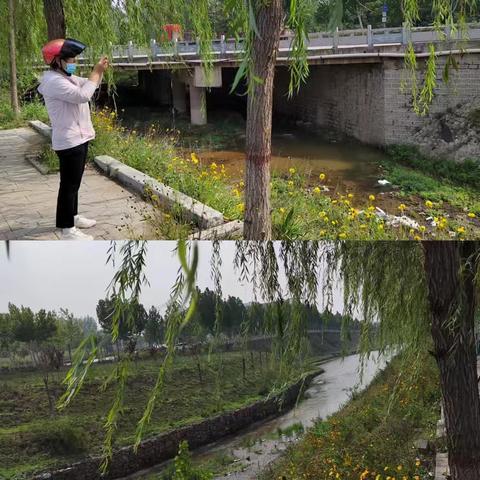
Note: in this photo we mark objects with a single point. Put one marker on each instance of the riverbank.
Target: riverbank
(306, 204)
(32, 440)
(373, 436)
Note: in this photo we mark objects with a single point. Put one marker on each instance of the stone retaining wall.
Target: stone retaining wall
(366, 100)
(165, 446)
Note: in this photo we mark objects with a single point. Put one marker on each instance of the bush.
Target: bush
(61, 437)
(462, 173)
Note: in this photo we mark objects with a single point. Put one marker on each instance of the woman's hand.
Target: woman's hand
(98, 69)
(102, 65)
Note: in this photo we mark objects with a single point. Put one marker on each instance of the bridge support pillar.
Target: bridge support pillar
(198, 105)
(178, 94)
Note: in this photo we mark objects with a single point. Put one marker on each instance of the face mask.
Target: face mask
(70, 68)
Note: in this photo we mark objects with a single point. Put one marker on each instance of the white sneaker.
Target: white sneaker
(74, 234)
(82, 222)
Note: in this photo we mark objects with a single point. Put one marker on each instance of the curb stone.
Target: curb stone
(202, 215)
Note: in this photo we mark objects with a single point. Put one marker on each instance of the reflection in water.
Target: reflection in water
(256, 447)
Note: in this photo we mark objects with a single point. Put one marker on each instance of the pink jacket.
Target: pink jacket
(66, 99)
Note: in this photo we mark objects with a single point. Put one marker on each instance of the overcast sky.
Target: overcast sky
(75, 275)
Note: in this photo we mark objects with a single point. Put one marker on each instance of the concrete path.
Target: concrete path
(442, 470)
(28, 198)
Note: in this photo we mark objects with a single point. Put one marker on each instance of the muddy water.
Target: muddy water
(349, 165)
(254, 449)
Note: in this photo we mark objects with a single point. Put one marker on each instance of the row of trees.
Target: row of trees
(25, 333)
(137, 326)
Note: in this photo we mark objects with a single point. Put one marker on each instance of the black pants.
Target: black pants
(72, 165)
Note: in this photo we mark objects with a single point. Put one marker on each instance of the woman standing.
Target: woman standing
(66, 98)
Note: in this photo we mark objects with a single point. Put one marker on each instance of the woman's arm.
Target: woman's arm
(65, 90)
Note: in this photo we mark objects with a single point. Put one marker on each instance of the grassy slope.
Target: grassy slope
(362, 439)
(26, 427)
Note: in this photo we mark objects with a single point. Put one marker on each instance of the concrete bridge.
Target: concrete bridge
(354, 85)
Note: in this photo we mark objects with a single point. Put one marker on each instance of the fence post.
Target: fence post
(335, 39)
(370, 36)
(130, 50)
(406, 34)
(153, 48)
(223, 45)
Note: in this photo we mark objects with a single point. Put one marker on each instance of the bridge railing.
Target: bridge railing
(338, 40)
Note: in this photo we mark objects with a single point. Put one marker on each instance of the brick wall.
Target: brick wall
(365, 101)
(346, 98)
(401, 121)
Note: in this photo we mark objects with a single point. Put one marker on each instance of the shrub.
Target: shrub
(61, 437)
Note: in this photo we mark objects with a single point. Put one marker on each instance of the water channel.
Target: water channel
(252, 450)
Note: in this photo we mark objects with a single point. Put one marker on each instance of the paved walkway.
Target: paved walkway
(442, 470)
(28, 198)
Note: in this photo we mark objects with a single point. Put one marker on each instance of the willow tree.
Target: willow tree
(411, 297)
(55, 18)
(13, 58)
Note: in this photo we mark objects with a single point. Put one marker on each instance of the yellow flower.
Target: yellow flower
(322, 233)
(399, 468)
(402, 207)
(242, 184)
(371, 208)
(290, 183)
(423, 228)
(418, 463)
(342, 236)
(428, 204)
(323, 214)
(213, 165)
(194, 158)
(380, 226)
(241, 207)
(471, 215)
(350, 195)
(291, 170)
(317, 190)
(461, 230)
(322, 177)
(417, 238)
(371, 198)
(282, 210)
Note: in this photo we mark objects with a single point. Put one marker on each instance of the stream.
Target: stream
(252, 450)
(350, 166)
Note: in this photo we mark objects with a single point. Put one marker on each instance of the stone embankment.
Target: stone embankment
(165, 446)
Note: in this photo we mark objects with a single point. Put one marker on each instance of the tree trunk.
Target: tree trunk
(55, 18)
(13, 59)
(450, 271)
(258, 223)
(51, 403)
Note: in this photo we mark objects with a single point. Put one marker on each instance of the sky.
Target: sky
(74, 275)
